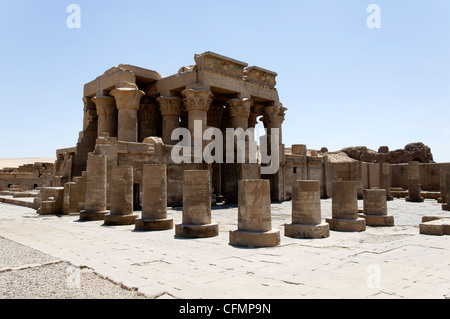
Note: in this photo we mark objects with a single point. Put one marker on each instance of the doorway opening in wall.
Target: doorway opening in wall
(295, 170)
(35, 186)
(9, 185)
(136, 197)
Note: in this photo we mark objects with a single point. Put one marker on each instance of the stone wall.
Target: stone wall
(429, 176)
(28, 176)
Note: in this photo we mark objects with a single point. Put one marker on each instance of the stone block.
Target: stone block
(255, 239)
(122, 197)
(196, 206)
(347, 225)
(306, 212)
(154, 199)
(379, 220)
(254, 216)
(307, 231)
(345, 208)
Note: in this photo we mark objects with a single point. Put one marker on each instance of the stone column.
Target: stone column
(414, 188)
(446, 205)
(345, 208)
(299, 149)
(375, 208)
(239, 110)
(254, 216)
(71, 198)
(127, 96)
(148, 118)
(442, 184)
(385, 179)
(357, 176)
(90, 118)
(154, 199)
(196, 206)
(306, 212)
(274, 118)
(215, 113)
(197, 103)
(95, 201)
(81, 180)
(107, 115)
(170, 108)
(121, 197)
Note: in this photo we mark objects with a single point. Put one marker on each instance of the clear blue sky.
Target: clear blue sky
(343, 83)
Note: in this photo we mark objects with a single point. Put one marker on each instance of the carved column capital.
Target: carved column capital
(169, 106)
(127, 96)
(197, 99)
(106, 105)
(240, 107)
(274, 115)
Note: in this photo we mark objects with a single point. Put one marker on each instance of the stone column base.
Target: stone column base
(389, 198)
(93, 216)
(378, 220)
(255, 239)
(414, 200)
(438, 227)
(347, 225)
(446, 207)
(120, 220)
(307, 231)
(196, 231)
(154, 224)
(440, 201)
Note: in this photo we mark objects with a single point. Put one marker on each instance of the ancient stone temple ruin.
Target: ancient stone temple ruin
(130, 114)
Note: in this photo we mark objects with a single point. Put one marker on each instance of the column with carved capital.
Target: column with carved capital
(128, 97)
(148, 117)
(107, 115)
(170, 108)
(273, 119)
(239, 111)
(197, 103)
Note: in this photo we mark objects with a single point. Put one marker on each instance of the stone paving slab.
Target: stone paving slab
(393, 262)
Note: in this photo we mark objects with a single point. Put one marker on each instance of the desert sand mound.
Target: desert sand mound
(16, 162)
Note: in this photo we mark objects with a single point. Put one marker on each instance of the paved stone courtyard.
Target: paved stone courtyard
(394, 262)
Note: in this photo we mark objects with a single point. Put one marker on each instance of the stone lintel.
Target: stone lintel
(213, 62)
(261, 76)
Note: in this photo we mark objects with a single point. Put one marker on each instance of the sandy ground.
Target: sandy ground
(16, 162)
